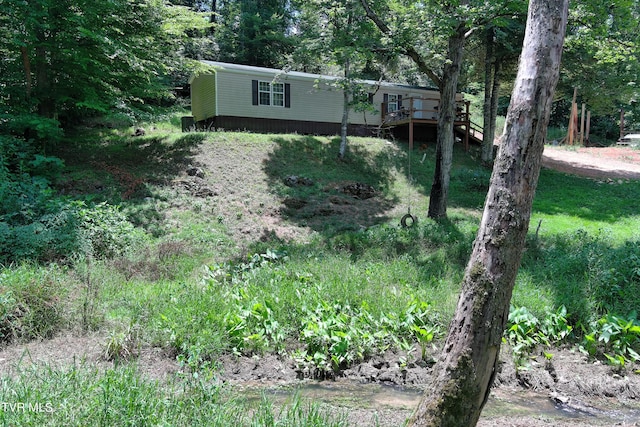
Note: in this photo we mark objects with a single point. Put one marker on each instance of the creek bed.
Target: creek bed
(382, 405)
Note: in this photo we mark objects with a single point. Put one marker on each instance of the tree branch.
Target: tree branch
(409, 51)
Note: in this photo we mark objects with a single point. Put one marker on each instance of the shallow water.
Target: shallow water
(349, 394)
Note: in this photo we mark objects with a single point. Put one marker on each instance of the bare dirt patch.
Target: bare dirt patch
(603, 163)
(67, 350)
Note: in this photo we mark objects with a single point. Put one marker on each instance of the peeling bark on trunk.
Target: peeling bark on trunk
(446, 118)
(465, 370)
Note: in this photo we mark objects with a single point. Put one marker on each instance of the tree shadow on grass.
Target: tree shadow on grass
(361, 228)
(331, 195)
(469, 180)
(586, 198)
(119, 171)
(152, 159)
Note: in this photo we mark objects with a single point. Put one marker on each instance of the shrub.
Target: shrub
(59, 230)
(105, 230)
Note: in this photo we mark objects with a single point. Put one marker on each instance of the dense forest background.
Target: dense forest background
(67, 63)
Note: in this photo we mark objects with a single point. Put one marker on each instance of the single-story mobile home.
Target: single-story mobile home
(233, 96)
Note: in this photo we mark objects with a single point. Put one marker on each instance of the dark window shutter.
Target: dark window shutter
(370, 98)
(254, 90)
(399, 101)
(385, 105)
(287, 95)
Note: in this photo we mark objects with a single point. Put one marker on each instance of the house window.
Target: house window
(392, 104)
(264, 93)
(271, 94)
(277, 89)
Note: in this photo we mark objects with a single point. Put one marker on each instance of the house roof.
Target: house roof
(298, 74)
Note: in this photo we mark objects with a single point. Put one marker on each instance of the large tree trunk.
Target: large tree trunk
(465, 370)
(446, 118)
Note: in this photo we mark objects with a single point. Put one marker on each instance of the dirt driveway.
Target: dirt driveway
(616, 162)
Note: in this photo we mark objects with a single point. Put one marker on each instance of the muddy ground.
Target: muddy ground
(568, 390)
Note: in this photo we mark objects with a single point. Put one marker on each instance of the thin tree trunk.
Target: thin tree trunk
(489, 78)
(446, 118)
(26, 63)
(490, 131)
(213, 18)
(465, 370)
(495, 92)
(43, 84)
(345, 112)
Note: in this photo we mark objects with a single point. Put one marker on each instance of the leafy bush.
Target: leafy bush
(37, 225)
(50, 230)
(251, 326)
(525, 332)
(34, 126)
(617, 338)
(339, 335)
(105, 230)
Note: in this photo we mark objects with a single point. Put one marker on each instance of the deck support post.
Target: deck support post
(468, 126)
(466, 139)
(411, 123)
(410, 133)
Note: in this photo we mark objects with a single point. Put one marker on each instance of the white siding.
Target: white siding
(313, 98)
(203, 96)
(322, 104)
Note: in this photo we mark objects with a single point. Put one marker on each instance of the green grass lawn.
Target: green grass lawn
(239, 262)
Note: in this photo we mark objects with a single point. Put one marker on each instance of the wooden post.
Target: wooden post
(572, 118)
(582, 123)
(410, 133)
(468, 126)
(588, 127)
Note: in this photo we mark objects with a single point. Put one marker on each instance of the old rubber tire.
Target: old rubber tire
(408, 218)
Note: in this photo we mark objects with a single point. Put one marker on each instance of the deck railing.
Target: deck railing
(411, 112)
(411, 108)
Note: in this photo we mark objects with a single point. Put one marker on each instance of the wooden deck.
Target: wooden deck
(415, 112)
